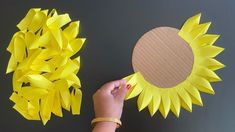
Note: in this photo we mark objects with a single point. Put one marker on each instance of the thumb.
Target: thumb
(121, 93)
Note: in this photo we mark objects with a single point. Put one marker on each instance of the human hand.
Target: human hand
(109, 99)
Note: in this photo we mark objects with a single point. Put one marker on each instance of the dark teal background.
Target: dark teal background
(112, 28)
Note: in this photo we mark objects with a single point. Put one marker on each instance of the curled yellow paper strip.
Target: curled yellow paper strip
(187, 92)
(44, 78)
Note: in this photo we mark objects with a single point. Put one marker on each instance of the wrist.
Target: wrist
(111, 126)
(102, 122)
(106, 124)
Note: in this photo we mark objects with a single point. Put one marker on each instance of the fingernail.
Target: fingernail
(128, 86)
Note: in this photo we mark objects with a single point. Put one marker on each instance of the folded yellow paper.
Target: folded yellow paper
(44, 78)
(185, 93)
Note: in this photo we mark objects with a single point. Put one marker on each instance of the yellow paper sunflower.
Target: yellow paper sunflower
(44, 65)
(186, 91)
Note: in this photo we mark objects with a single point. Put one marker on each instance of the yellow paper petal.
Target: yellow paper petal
(190, 23)
(175, 103)
(41, 41)
(37, 21)
(165, 104)
(154, 104)
(76, 98)
(77, 61)
(74, 80)
(25, 114)
(10, 47)
(46, 106)
(186, 101)
(135, 89)
(131, 79)
(202, 84)
(207, 74)
(144, 99)
(31, 93)
(210, 51)
(11, 64)
(58, 21)
(212, 64)
(57, 109)
(63, 87)
(56, 33)
(29, 38)
(15, 80)
(195, 95)
(207, 39)
(28, 109)
(40, 81)
(199, 30)
(19, 49)
(42, 67)
(27, 19)
(31, 109)
(64, 71)
(76, 45)
(72, 30)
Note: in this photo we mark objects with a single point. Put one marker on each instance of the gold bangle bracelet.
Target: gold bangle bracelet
(107, 119)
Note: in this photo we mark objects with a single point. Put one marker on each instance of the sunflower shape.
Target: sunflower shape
(45, 66)
(171, 67)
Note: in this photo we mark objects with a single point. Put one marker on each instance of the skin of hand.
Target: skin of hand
(108, 102)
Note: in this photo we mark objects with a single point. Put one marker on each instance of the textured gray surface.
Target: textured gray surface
(112, 29)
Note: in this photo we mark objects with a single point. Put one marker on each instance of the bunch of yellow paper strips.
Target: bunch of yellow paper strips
(44, 78)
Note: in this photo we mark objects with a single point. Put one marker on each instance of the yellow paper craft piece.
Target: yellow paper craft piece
(44, 78)
(185, 93)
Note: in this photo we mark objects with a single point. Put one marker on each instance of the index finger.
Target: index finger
(110, 86)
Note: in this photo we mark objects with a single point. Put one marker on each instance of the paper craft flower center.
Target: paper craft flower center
(163, 57)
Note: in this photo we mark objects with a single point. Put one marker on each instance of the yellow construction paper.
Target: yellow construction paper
(187, 92)
(44, 65)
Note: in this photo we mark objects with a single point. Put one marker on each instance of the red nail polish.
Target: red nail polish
(128, 86)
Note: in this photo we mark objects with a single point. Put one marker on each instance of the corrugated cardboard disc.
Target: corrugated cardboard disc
(163, 57)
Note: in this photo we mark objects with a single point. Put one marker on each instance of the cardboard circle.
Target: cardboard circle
(163, 57)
